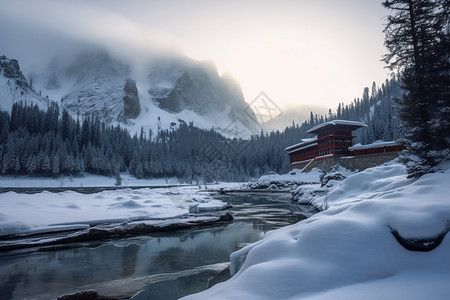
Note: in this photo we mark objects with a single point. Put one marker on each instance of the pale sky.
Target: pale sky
(319, 52)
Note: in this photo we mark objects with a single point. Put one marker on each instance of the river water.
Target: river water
(164, 265)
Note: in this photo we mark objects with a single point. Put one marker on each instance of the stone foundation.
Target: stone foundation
(350, 162)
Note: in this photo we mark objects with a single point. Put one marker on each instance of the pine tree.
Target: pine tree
(415, 39)
(16, 164)
(55, 165)
(65, 126)
(117, 174)
(68, 164)
(134, 162)
(46, 164)
(85, 134)
(139, 171)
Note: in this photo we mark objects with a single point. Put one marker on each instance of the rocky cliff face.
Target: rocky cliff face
(183, 84)
(132, 109)
(99, 85)
(11, 70)
(14, 87)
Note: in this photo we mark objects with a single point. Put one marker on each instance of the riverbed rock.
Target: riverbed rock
(223, 275)
(226, 217)
(420, 244)
(85, 295)
(325, 179)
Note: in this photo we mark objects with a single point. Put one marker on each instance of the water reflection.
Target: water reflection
(50, 274)
(129, 260)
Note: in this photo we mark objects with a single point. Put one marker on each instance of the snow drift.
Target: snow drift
(44, 212)
(350, 250)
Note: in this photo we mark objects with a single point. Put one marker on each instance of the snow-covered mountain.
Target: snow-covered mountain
(94, 83)
(157, 95)
(14, 87)
(178, 85)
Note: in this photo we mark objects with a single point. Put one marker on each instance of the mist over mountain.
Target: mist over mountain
(183, 84)
(153, 94)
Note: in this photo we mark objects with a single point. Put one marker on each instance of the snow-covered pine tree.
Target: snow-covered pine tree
(417, 42)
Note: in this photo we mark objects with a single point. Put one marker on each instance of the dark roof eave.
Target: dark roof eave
(353, 124)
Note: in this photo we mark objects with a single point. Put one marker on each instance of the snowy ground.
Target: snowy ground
(47, 212)
(349, 251)
(89, 180)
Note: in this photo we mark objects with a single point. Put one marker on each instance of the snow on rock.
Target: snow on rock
(48, 212)
(286, 181)
(295, 179)
(195, 200)
(307, 193)
(349, 251)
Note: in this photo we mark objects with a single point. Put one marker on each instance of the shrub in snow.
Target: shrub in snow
(334, 176)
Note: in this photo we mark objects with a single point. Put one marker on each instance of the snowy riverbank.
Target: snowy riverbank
(49, 212)
(365, 245)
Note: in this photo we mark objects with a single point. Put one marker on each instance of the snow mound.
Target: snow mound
(127, 204)
(49, 212)
(349, 251)
(296, 179)
(286, 181)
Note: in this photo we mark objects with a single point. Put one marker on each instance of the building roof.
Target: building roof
(304, 147)
(352, 124)
(377, 144)
(303, 142)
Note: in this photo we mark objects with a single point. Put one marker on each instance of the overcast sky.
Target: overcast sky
(299, 52)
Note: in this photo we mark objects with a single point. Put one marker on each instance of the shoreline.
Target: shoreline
(97, 233)
(84, 190)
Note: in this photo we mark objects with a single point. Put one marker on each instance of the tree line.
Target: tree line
(53, 143)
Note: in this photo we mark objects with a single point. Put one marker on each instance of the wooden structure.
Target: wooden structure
(333, 139)
(376, 148)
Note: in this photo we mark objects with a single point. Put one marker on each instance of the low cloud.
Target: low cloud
(41, 30)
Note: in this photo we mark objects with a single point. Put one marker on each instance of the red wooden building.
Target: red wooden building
(333, 139)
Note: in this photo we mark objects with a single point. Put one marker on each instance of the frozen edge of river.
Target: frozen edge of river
(44, 243)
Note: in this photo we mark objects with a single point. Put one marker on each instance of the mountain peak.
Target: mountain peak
(188, 85)
(14, 87)
(11, 70)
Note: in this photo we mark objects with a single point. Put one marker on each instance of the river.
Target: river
(165, 265)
